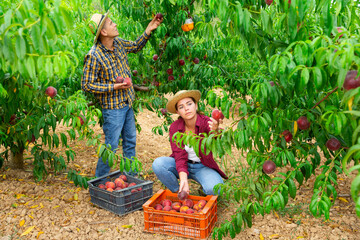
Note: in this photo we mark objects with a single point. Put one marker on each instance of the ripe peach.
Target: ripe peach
(188, 202)
(118, 188)
(134, 190)
(102, 186)
(119, 79)
(158, 207)
(202, 203)
(196, 207)
(126, 184)
(81, 120)
(166, 202)
(110, 189)
(110, 185)
(135, 72)
(116, 181)
(132, 184)
(159, 16)
(190, 211)
(217, 114)
(172, 210)
(182, 195)
(176, 206)
(303, 123)
(139, 189)
(171, 78)
(167, 208)
(155, 57)
(196, 60)
(333, 144)
(169, 71)
(351, 81)
(181, 62)
(287, 135)
(183, 209)
(51, 91)
(127, 81)
(269, 167)
(163, 111)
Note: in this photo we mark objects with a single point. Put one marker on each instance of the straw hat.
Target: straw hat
(97, 22)
(195, 94)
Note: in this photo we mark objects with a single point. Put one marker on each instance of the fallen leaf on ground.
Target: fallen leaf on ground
(27, 231)
(126, 226)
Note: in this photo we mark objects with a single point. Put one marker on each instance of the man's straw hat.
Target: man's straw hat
(195, 94)
(97, 22)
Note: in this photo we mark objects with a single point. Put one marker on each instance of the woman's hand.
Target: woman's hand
(118, 86)
(214, 125)
(184, 184)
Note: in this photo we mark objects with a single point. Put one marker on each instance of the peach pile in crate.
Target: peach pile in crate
(118, 184)
(183, 206)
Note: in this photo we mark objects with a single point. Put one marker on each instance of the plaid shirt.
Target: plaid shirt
(102, 66)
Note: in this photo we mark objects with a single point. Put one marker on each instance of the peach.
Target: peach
(158, 207)
(190, 211)
(132, 184)
(167, 208)
(196, 207)
(182, 195)
(176, 206)
(102, 186)
(183, 209)
(126, 184)
(134, 190)
(110, 185)
(202, 203)
(188, 202)
(166, 202)
(121, 184)
(139, 189)
(118, 188)
(110, 189)
(173, 210)
(118, 180)
(123, 177)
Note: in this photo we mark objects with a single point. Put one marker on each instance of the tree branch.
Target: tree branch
(324, 98)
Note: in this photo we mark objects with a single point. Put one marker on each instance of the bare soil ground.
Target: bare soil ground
(56, 209)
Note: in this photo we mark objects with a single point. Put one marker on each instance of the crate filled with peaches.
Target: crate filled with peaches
(180, 214)
(119, 192)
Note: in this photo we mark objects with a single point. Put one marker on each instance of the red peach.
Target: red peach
(183, 209)
(188, 202)
(158, 207)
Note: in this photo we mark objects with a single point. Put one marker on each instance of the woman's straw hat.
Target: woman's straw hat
(97, 22)
(195, 94)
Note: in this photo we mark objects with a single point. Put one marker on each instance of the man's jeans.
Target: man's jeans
(118, 122)
(165, 170)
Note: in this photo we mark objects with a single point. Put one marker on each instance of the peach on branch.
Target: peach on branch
(181, 62)
(51, 91)
(163, 111)
(269, 167)
(159, 16)
(351, 81)
(171, 78)
(333, 144)
(217, 114)
(196, 60)
(81, 120)
(287, 135)
(169, 71)
(303, 123)
(135, 72)
(155, 57)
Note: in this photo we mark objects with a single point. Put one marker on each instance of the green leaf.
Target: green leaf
(292, 188)
(318, 80)
(304, 79)
(350, 152)
(355, 188)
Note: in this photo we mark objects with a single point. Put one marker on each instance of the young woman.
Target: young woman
(183, 163)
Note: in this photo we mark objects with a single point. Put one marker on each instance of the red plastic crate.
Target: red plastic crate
(196, 226)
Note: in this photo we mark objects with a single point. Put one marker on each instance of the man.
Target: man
(107, 60)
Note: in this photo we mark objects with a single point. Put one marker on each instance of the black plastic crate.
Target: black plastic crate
(121, 201)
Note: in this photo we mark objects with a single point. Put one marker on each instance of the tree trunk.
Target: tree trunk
(17, 159)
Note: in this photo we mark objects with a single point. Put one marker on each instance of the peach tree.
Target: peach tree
(42, 50)
(289, 75)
